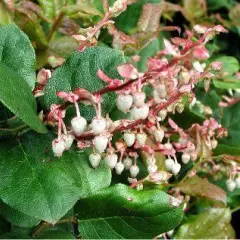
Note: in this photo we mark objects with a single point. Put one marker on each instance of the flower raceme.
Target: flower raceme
(171, 74)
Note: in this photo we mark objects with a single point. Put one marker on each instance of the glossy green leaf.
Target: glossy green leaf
(17, 53)
(80, 71)
(39, 185)
(199, 187)
(5, 15)
(211, 224)
(13, 235)
(224, 148)
(120, 212)
(17, 218)
(19, 99)
(56, 234)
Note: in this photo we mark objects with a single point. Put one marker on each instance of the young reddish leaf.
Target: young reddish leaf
(150, 18)
(201, 187)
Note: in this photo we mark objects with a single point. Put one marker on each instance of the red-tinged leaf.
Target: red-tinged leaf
(150, 18)
(171, 28)
(201, 53)
(104, 77)
(179, 41)
(127, 71)
(201, 187)
(172, 124)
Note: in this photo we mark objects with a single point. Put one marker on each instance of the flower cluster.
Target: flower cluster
(171, 74)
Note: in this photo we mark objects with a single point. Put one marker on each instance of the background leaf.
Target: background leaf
(199, 187)
(56, 234)
(30, 24)
(120, 212)
(17, 53)
(230, 64)
(211, 224)
(127, 21)
(42, 186)
(17, 218)
(19, 99)
(51, 8)
(5, 14)
(231, 121)
(80, 71)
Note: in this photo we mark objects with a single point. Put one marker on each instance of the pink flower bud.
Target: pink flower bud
(43, 76)
(185, 158)
(68, 140)
(124, 102)
(94, 159)
(78, 125)
(159, 135)
(98, 125)
(129, 138)
(152, 168)
(176, 168)
(139, 113)
(216, 66)
(111, 160)
(100, 143)
(139, 99)
(134, 170)
(231, 185)
(127, 163)
(169, 164)
(58, 147)
(184, 77)
(119, 168)
(141, 138)
(127, 71)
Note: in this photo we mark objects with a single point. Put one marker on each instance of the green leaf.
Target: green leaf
(17, 53)
(17, 218)
(231, 121)
(127, 21)
(52, 8)
(223, 148)
(56, 234)
(4, 225)
(229, 118)
(216, 4)
(80, 71)
(19, 99)
(199, 187)
(211, 224)
(149, 51)
(230, 64)
(227, 83)
(31, 25)
(13, 235)
(5, 14)
(120, 212)
(39, 185)
(234, 15)
(194, 9)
